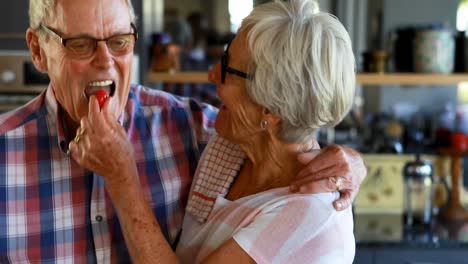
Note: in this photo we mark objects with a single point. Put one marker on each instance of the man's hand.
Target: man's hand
(333, 168)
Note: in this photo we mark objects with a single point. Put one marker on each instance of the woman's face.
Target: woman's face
(239, 117)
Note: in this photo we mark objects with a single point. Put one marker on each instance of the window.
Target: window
(462, 25)
(462, 16)
(238, 9)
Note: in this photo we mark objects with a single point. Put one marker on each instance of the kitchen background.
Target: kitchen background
(412, 99)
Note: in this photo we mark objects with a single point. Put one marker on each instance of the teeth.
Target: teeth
(101, 83)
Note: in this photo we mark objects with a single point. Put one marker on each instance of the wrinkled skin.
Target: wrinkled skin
(103, 147)
(331, 161)
(70, 76)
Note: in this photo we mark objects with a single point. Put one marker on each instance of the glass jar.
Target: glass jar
(419, 193)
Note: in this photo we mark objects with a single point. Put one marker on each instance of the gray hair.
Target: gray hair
(41, 10)
(303, 66)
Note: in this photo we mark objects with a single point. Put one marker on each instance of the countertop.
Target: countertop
(387, 231)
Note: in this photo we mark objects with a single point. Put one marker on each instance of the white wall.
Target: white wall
(403, 12)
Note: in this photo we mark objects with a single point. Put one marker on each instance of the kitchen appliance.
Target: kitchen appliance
(19, 79)
(18, 74)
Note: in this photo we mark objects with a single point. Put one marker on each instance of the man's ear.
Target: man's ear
(37, 55)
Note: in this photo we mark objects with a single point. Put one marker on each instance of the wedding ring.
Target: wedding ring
(80, 132)
(338, 183)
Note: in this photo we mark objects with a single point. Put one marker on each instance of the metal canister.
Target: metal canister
(419, 193)
(434, 51)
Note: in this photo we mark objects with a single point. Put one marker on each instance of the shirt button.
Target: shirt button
(98, 218)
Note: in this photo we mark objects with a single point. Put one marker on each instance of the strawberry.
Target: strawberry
(101, 96)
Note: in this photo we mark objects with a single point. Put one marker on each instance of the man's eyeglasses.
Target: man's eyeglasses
(225, 68)
(84, 47)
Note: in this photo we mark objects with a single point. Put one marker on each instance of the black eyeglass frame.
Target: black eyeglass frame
(65, 40)
(225, 68)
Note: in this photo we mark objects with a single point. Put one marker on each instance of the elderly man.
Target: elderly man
(52, 209)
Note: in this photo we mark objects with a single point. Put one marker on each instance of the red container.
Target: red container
(459, 142)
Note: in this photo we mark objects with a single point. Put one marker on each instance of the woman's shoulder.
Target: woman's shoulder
(299, 223)
(284, 197)
(316, 209)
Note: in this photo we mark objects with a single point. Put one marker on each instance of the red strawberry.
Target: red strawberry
(101, 96)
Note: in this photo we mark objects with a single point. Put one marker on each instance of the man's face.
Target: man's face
(75, 79)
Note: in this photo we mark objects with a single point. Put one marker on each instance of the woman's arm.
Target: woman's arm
(229, 252)
(103, 147)
(144, 239)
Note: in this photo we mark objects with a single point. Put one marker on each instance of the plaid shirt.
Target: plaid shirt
(53, 210)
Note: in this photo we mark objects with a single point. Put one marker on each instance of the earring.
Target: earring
(263, 124)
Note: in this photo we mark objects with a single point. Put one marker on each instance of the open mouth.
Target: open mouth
(106, 85)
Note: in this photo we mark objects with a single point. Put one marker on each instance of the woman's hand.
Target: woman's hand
(333, 168)
(101, 144)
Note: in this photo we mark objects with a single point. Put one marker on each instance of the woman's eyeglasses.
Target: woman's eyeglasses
(225, 68)
(84, 47)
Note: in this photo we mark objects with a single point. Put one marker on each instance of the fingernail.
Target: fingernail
(338, 204)
(68, 153)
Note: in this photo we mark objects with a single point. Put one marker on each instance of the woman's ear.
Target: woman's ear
(37, 54)
(273, 120)
(270, 120)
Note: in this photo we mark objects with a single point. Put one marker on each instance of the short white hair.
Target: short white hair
(41, 10)
(303, 66)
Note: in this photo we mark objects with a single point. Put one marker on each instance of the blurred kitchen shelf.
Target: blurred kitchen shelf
(12, 36)
(410, 78)
(178, 77)
(362, 78)
(7, 107)
(33, 89)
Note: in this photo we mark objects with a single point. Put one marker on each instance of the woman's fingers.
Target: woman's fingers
(320, 160)
(329, 184)
(344, 201)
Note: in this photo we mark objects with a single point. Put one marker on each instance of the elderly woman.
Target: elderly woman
(288, 72)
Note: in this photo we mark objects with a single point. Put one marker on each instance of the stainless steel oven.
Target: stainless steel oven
(19, 79)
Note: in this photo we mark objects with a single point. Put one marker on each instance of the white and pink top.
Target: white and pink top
(275, 226)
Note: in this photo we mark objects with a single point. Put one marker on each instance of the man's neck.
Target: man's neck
(70, 126)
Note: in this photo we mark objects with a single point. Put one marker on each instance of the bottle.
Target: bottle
(445, 126)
